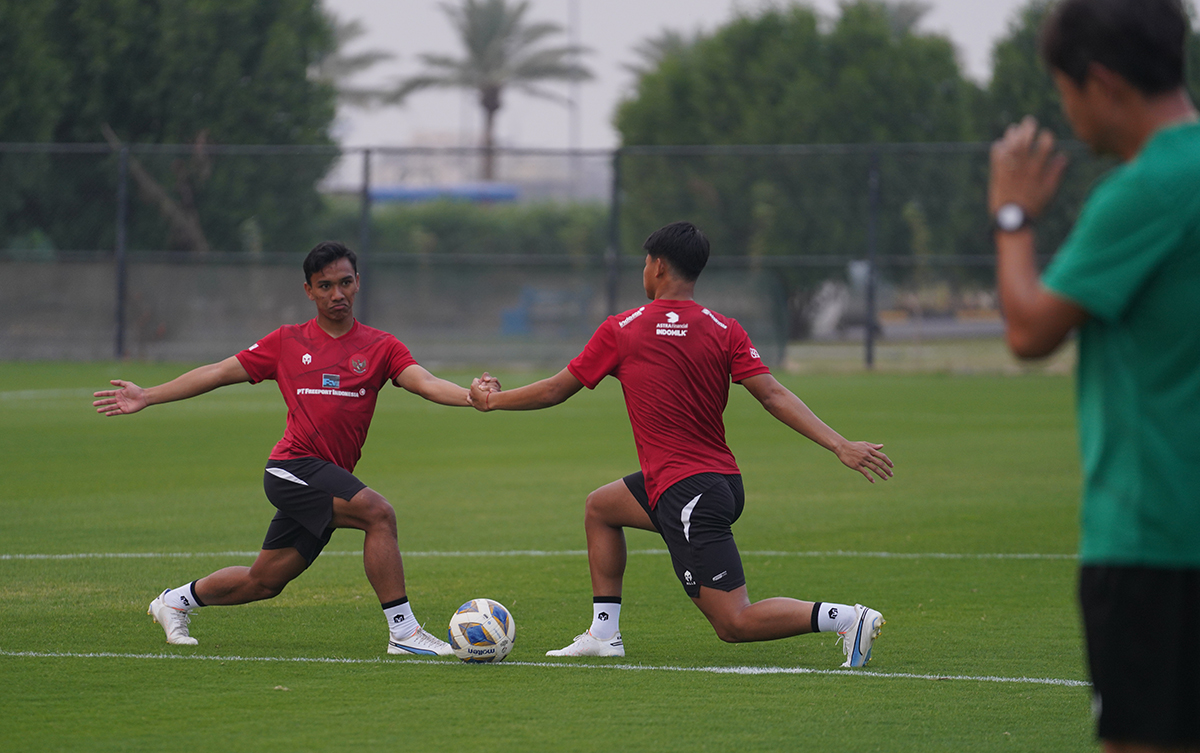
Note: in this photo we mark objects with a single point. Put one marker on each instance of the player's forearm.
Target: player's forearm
(195, 382)
(1027, 329)
(1016, 278)
(543, 394)
(791, 411)
(444, 392)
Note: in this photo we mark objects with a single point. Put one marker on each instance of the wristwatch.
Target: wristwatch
(1010, 218)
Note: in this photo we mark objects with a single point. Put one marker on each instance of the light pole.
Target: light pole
(573, 119)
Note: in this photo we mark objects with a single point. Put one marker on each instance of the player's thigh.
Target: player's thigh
(722, 607)
(366, 509)
(614, 504)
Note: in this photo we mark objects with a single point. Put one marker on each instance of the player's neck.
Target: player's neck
(675, 290)
(335, 329)
(1154, 114)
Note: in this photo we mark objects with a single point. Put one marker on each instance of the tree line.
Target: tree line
(213, 73)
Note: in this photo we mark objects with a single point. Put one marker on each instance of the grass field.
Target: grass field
(967, 552)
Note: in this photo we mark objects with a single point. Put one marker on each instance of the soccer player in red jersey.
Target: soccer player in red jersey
(330, 370)
(675, 359)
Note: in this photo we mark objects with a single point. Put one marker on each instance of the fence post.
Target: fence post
(119, 250)
(364, 237)
(612, 255)
(872, 252)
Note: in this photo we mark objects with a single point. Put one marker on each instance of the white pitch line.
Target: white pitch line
(563, 665)
(558, 553)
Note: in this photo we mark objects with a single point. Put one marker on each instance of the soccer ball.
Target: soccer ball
(482, 631)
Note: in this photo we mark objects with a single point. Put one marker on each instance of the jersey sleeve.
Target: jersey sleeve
(398, 358)
(599, 357)
(261, 359)
(1124, 234)
(745, 362)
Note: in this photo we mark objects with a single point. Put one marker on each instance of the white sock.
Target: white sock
(606, 617)
(182, 598)
(833, 618)
(400, 618)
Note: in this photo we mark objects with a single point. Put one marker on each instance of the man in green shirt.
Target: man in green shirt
(1128, 278)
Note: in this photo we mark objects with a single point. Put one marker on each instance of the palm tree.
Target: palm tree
(653, 51)
(337, 67)
(502, 50)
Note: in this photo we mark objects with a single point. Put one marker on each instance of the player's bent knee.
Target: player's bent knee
(270, 591)
(729, 633)
(604, 506)
(373, 509)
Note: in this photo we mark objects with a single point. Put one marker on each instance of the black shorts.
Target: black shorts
(695, 518)
(302, 490)
(1140, 625)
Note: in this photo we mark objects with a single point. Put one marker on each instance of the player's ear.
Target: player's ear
(661, 267)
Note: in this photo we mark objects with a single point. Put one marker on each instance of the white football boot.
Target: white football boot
(587, 645)
(860, 638)
(174, 621)
(421, 643)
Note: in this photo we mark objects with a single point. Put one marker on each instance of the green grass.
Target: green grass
(985, 465)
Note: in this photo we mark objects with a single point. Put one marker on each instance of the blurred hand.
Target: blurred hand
(1025, 168)
(129, 399)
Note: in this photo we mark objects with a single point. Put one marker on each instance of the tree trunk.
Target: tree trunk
(489, 99)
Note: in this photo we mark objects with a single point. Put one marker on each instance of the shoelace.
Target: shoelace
(424, 638)
(180, 620)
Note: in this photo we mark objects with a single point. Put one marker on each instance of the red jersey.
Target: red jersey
(330, 385)
(674, 360)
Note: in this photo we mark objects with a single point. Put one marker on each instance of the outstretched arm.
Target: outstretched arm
(131, 398)
(781, 403)
(418, 381)
(542, 394)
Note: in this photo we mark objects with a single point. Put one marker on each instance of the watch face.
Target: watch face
(1010, 217)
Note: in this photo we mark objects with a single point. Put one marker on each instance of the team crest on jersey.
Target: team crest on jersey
(358, 364)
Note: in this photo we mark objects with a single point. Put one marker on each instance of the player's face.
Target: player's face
(1081, 106)
(333, 290)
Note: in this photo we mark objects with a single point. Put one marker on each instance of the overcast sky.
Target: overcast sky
(611, 28)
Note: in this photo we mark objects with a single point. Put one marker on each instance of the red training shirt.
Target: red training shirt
(330, 385)
(674, 360)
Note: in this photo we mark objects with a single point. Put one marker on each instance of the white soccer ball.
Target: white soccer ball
(482, 631)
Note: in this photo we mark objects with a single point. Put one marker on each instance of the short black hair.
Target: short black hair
(1140, 40)
(682, 245)
(325, 253)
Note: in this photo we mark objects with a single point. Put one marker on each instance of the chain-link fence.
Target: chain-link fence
(192, 252)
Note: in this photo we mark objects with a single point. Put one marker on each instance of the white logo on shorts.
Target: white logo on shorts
(687, 575)
(719, 576)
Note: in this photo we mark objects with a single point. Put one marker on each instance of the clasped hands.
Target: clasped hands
(481, 388)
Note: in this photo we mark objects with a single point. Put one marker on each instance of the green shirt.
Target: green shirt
(1133, 262)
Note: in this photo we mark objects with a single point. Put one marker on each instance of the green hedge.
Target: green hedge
(450, 227)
